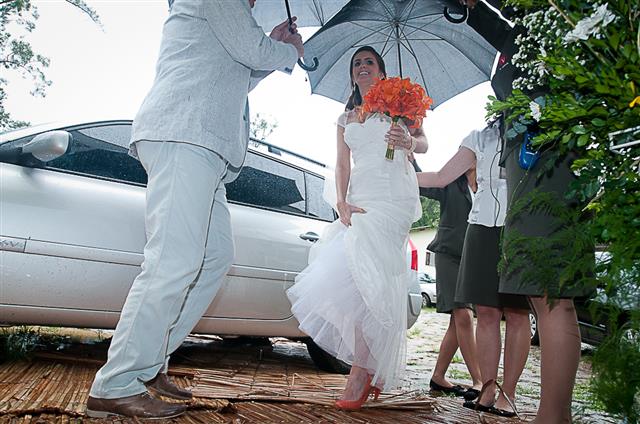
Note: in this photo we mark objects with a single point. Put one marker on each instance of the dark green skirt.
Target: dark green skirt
(447, 267)
(539, 228)
(478, 279)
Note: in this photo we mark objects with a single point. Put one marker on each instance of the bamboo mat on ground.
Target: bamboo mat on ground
(270, 395)
(53, 388)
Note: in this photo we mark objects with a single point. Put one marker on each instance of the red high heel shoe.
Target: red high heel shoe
(357, 404)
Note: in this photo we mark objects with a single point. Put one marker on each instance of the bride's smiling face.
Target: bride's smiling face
(364, 69)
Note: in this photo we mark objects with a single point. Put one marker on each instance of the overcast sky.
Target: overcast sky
(104, 73)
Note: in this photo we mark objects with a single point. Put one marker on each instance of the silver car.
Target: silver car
(72, 233)
(428, 289)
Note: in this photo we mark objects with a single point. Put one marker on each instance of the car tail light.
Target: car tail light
(414, 256)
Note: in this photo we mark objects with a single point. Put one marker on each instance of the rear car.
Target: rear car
(428, 288)
(597, 313)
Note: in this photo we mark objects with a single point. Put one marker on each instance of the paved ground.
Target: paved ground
(424, 342)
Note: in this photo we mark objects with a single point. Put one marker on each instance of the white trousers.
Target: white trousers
(189, 249)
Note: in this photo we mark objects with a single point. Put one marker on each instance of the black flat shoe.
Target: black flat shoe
(471, 394)
(476, 406)
(453, 390)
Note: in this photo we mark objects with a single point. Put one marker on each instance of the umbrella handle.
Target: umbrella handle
(453, 20)
(309, 68)
(304, 66)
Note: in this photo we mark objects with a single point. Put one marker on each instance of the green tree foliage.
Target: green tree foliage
(582, 59)
(430, 214)
(17, 19)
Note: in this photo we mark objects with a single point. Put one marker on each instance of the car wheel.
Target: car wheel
(426, 300)
(325, 361)
(535, 337)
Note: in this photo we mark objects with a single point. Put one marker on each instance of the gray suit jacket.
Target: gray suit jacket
(209, 52)
(455, 204)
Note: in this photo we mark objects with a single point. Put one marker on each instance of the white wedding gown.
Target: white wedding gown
(354, 290)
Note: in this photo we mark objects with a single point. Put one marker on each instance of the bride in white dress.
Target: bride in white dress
(352, 298)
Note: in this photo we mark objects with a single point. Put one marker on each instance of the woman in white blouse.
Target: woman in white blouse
(478, 278)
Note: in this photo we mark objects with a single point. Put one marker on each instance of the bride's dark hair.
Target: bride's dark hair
(355, 99)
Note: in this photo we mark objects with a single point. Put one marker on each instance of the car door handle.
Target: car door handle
(311, 236)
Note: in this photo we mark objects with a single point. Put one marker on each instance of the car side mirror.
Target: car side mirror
(48, 146)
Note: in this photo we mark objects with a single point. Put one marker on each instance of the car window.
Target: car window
(317, 207)
(102, 152)
(99, 151)
(426, 278)
(267, 183)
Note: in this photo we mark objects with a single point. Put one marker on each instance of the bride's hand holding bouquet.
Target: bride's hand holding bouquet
(398, 98)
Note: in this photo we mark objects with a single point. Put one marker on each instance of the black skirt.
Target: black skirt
(447, 267)
(478, 279)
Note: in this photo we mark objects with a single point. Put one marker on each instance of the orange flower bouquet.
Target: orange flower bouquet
(397, 98)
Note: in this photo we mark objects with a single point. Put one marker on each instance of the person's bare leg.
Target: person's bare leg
(517, 341)
(560, 352)
(359, 376)
(448, 348)
(488, 341)
(463, 319)
(356, 383)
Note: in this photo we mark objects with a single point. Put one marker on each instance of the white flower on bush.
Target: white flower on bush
(590, 25)
(536, 113)
(542, 69)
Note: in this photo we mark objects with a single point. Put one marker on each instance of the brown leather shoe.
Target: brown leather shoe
(143, 406)
(164, 386)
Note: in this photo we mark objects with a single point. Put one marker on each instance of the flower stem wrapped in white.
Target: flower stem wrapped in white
(535, 111)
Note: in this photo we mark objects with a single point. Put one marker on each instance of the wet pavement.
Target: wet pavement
(423, 346)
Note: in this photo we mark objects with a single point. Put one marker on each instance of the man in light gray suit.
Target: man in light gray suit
(191, 136)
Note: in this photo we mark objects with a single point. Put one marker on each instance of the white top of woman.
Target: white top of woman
(481, 148)
(490, 201)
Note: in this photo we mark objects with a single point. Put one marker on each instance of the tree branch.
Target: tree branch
(86, 9)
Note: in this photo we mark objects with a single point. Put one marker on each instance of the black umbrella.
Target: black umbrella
(309, 13)
(270, 13)
(415, 39)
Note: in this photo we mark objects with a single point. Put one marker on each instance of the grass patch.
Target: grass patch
(528, 390)
(583, 392)
(414, 332)
(458, 375)
(457, 360)
(20, 342)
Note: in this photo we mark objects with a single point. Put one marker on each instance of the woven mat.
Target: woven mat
(247, 388)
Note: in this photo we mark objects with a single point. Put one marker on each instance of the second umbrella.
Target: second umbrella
(414, 39)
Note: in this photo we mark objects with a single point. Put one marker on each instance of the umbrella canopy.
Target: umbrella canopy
(413, 37)
(269, 13)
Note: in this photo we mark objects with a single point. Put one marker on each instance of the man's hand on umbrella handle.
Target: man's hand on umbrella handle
(296, 41)
(345, 210)
(281, 31)
(288, 34)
